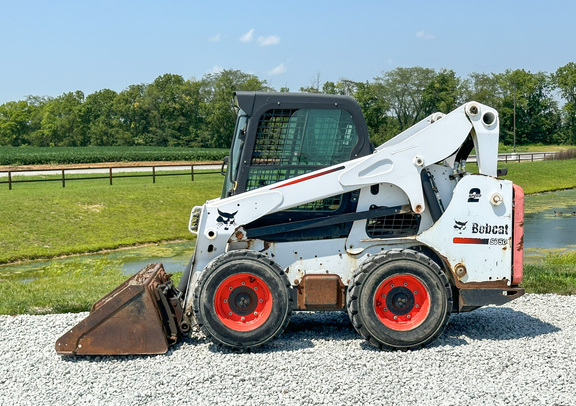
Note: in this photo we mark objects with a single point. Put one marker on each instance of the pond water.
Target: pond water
(545, 230)
(174, 256)
(550, 223)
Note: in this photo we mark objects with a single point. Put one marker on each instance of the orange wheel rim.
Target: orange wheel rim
(402, 302)
(243, 302)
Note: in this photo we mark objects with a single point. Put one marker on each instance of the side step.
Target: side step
(141, 316)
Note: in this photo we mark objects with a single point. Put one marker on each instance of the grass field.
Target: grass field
(539, 176)
(542, 176)
(556, 274)
(43, 220)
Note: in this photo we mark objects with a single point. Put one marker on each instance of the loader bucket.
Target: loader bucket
(140, 316)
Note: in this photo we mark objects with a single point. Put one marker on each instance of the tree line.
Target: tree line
(171, 111)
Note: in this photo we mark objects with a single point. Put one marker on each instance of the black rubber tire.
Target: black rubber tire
(360, 301)
(230, 264)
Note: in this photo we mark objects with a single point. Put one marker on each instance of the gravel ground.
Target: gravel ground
(521, 353)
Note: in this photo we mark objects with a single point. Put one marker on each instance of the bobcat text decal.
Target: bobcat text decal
(485, 230)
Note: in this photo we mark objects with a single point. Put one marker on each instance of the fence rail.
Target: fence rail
(525, 156)
(111, 172)
(114, 172)
(520, 156)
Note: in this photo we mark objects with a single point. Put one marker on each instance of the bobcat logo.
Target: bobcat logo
(460, 226)
(226, 219)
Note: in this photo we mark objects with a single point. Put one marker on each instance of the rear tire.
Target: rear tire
(399, 300)
(242, 300)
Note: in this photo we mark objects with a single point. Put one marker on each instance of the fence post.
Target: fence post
(153, 174)
(63, 178)
(110, 175)
(9, 180)
(192, 172)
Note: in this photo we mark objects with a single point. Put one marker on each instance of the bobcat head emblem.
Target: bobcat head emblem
(460, 225)
(226, 219)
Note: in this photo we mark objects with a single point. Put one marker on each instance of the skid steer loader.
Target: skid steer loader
(312, 217)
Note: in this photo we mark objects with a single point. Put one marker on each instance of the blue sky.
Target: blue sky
(51, 47)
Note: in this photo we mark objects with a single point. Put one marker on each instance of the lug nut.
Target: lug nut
(395, 317)
(243, 318)
(225, 300)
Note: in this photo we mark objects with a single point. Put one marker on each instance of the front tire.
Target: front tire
(399, 300)
(242, 300)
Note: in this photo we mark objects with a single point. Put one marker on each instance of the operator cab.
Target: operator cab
(282, 135)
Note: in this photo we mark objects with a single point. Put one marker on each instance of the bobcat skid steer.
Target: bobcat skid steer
(312, 217)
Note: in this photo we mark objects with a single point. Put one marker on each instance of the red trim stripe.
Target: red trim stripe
(317, 175)
(460, 240)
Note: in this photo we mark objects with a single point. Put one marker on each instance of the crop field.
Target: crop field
(78, 155)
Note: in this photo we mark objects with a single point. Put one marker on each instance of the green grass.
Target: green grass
(542, 176)
(44, 220)
(555, 274)
(539, 176)
(77, 155)
(62, 287)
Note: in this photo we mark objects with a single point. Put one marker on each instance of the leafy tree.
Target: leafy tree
(528, 107)
(565, 79)
(483, 88)
(168, 110)
(60, 123)
(380, 126)
(329, 88)
(133, 124)
(14, 123)
(217, 91)
(177, 112)
(349, 87)
(443, 93)
(403, 89)
(100, 118)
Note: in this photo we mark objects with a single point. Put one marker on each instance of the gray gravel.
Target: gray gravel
(521, 353)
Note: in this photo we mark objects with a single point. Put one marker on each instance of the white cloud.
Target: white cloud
(215, 38)
(248, 37)
(424, 35)
(269, 40)
(216, 69)
(278, 70)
